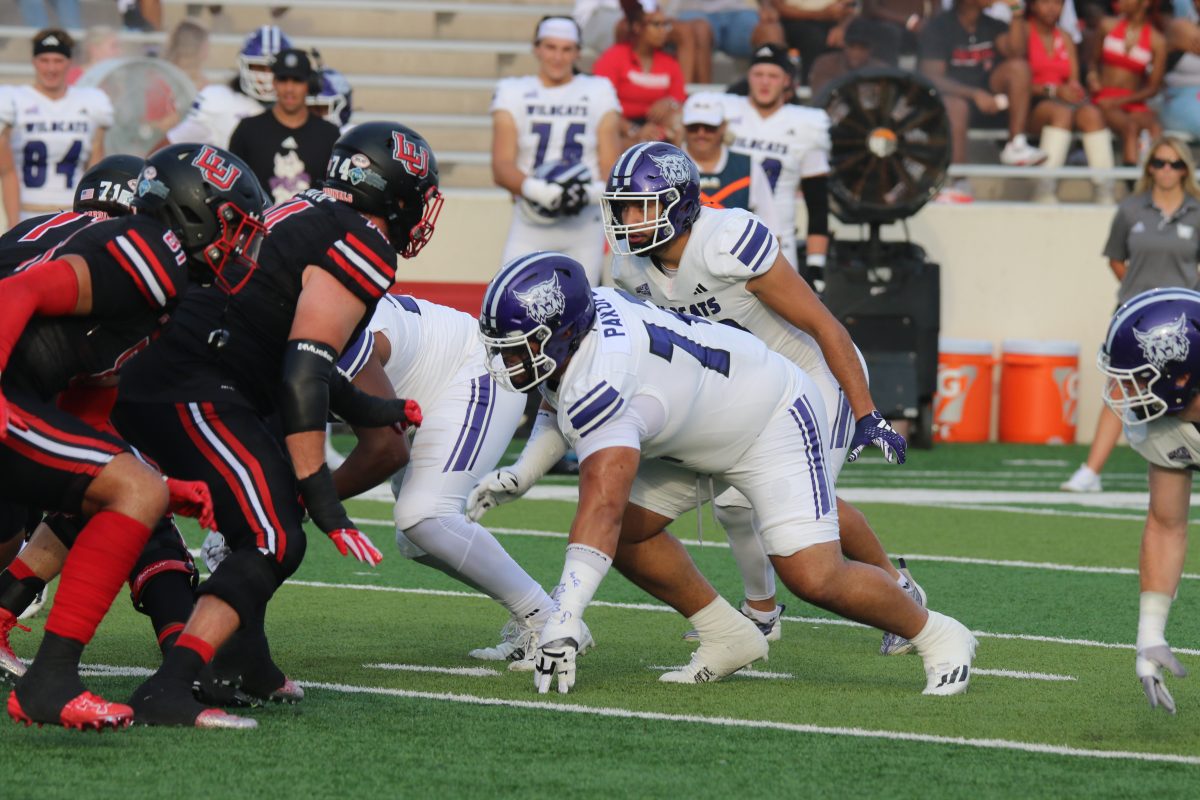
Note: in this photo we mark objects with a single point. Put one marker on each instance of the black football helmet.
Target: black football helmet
(210, 199)
(388, 170)
(107, 189)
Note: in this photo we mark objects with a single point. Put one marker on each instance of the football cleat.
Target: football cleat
(208, 689)
(948, 655)
(773, 630)
(892, 644)
(219, 719)
(517, 640)
(718, 658)
(163, 702)
(526, 664)
(85, 712)
(11, 667)
(31, 611)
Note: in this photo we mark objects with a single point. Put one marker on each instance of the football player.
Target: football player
(432, 354)
(1151, 359)
(51, 132)
(218, 107)
(726, 266)
(644, 395)
(555, 121)
(333, 100)
(791, 144)
(263, 344)
(84, 313)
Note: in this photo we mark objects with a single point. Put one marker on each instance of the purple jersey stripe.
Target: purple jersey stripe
(588, 396)
(749, 227)
(590, 412)
(478, 426)
(748, 253)
(599, 422)
(466, 426)
(356, 355)
(802, 413)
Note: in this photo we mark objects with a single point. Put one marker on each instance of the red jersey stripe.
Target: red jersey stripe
(147, 252)
(115, 251)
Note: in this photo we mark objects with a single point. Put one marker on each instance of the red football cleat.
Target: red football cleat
(11, 667)
(86, 711)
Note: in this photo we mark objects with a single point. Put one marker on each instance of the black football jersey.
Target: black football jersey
(228, 346)
(138, 270)
(38, 238)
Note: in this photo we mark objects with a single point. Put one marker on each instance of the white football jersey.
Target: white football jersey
(556, 123)
(52, 141)
(215, 112)
(430, 343)
(790, 144)
(1167, 442)
(715, 386)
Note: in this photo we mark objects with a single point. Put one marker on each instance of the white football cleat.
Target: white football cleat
(1083, 480)
(715, 659)
(517, 640)
(33, 608)
(948, 650)
(526, 663)
(893, 644)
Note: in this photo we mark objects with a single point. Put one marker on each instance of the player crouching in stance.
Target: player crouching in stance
(627, 381)
(83, 313)
(263, 344)
(1151, 357)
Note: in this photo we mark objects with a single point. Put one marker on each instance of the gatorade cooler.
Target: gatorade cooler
(962, 407)
(1039, 390)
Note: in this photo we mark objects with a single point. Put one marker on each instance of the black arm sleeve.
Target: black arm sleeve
(816, 200)
(308, 367)
(361, 409)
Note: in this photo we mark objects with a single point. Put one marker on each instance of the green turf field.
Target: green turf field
(395, 708)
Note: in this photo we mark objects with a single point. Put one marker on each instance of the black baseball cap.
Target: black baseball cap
(292, 63)
(774, 54)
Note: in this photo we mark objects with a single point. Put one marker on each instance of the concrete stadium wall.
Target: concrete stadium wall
(1009, 271)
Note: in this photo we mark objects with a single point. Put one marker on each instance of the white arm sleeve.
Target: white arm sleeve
(545, 447)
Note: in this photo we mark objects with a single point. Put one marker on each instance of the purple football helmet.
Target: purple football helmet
(541, 299)
(254, 62)
(332, 101)
(661, 181)
(1151, 355)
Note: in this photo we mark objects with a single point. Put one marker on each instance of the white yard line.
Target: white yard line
(661, 608)
(1026, 676)
(468, 672)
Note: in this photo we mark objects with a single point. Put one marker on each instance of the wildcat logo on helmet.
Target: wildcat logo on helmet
(674, 168)
(1164, 343)
(411, 155)
(215, 169)
(544, 300)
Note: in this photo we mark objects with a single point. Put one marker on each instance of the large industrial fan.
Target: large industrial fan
(891, 151)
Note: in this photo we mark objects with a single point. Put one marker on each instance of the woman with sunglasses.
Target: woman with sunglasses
(1154, 243)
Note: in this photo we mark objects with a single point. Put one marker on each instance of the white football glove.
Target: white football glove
(1150, 661)
(214, 550)
(495, 488)
(547, 195)
(556, 654)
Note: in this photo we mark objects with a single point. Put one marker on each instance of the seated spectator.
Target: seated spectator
(736, 28)
(727, 179)
(976, 62)
(905, 18)
(1060, 103)
(603, 23)
(813, 27)
(1181, 99)
(1130, 69)
(863, 38)
(648, 81)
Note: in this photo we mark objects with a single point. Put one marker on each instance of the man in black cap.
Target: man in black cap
(865, 41)
(287, 147)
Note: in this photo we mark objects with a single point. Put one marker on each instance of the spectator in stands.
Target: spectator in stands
(1154, 242)
(1060, 103)
(1181, 100)
(736, 29)
(727, 179)
(863, 38)
(288, 147)
(977, 63)
(904, 18)
(1129, 71)
(648, 81)
(141, 15)
(33, 13)
(603, 23)
(814, 27)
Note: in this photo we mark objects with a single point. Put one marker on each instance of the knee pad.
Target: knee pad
(165, 552)
(408, 548)
(245, 580)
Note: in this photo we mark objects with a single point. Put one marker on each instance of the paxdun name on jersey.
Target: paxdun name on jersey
(59, 126)
(610, 320)
(539, 110)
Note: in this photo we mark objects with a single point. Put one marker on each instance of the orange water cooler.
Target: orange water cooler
(1039, 391)
(962, 407)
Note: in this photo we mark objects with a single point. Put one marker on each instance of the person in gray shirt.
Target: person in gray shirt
(1154, 242)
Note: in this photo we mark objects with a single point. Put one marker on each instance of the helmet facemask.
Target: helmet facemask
(655, 219)
(241, 236)
(514, 362)
(408, 232)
